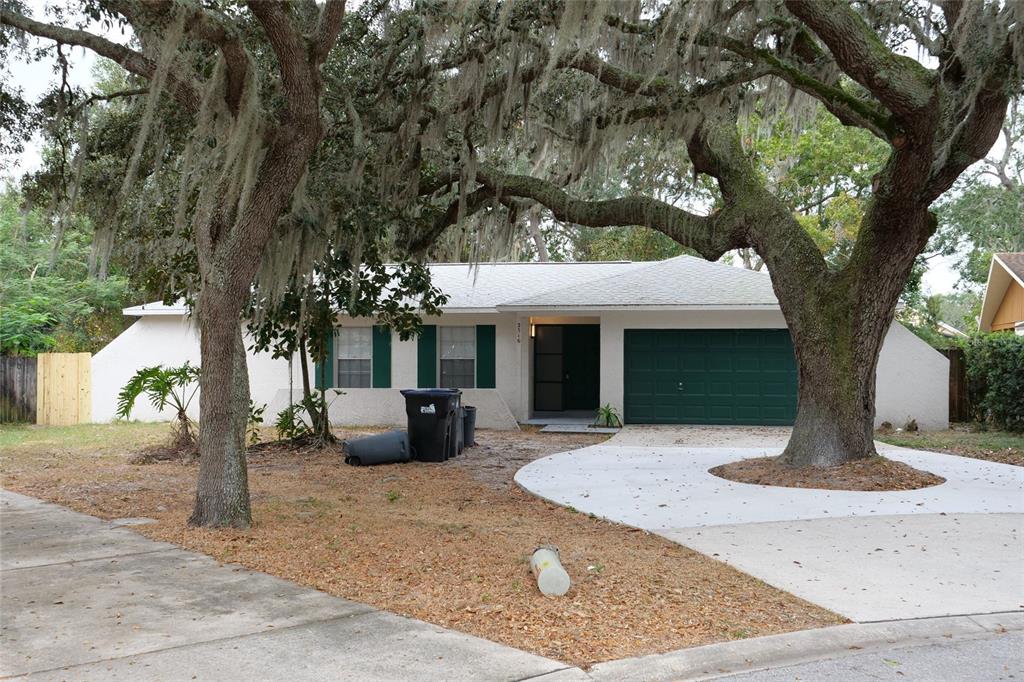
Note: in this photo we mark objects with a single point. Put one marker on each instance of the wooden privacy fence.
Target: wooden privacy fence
(959, 408)
(63, 388)
(17, 389)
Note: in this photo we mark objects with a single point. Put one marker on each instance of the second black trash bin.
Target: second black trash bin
(469, 425)
(430, 413)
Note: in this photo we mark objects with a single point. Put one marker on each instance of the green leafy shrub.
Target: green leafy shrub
(291, 424)
(608, 416)
(995, 379)
(295, 422)
(174, 386)
(255, 421)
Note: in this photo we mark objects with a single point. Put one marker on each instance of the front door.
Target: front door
(566, 367)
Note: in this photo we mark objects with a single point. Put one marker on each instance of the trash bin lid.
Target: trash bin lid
(431, 392)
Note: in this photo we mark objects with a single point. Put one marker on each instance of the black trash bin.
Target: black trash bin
(431, 416)
(469, 425)
(384, 448)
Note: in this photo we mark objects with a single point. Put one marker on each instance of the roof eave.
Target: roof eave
(140, 311)
(639, 307)
(998, 281)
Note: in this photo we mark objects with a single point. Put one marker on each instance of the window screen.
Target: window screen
(458, 357)
(355, 357)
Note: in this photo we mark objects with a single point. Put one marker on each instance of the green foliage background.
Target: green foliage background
(995, 376)
(47, 301)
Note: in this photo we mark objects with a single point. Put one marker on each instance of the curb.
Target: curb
(776, 651)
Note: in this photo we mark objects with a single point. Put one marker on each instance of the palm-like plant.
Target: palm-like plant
(173, 386)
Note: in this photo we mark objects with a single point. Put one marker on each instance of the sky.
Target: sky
(34, 78)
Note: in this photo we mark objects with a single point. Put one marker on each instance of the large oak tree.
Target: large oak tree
(569, 85)
(248, 78)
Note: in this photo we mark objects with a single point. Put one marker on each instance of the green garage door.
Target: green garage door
(709, 376)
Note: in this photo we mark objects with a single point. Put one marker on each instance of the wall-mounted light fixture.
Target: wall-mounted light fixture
(533, 331)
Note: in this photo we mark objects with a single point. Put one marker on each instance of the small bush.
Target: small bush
(995, 379)
(608, 417)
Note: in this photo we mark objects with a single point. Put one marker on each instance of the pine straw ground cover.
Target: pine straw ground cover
(873, 473)
(448, 544)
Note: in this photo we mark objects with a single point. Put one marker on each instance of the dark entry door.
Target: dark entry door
(582, 366)
(566, 367)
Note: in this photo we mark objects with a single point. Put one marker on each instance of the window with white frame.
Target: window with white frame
(354, 351)
(458, 357)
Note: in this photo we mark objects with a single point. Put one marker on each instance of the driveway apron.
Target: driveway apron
(955, 548)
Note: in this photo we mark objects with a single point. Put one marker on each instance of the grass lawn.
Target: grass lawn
(994, 446)
(446, 543)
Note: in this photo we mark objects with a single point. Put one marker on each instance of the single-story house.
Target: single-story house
(1002, 308)
(680, 341)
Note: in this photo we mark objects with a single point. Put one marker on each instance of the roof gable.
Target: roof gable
(1004, 269)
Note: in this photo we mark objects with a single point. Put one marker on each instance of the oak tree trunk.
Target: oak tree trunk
(222, 490)
(835, 396)
(838, 325)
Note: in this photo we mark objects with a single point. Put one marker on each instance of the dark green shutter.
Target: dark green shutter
(323, 372)
(485, 356)
(381, 357)
(426, 357)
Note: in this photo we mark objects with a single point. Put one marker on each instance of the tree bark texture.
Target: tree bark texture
(222, 491)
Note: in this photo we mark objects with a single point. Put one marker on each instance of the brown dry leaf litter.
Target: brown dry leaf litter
(448, 544)
(874, 473)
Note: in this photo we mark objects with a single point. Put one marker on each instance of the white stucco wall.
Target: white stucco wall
(171, 341)
(912, 382)
(912, 377)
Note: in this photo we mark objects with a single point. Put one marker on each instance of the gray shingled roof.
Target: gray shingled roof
(681, 281)
(491, 284)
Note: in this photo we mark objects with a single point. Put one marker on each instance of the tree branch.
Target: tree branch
(900, 83)
(299, 80)
(473, 202)
(183, 89)
(849, 109)
(327, 29)
(711, 236)
(100, 97)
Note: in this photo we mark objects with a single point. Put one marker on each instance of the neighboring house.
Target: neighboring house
(1002, 309)
(680, 341)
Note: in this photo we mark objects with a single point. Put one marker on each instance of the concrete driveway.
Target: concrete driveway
(956, 548)
(83, 600)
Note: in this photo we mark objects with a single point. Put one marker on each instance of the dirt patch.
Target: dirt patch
(872, 474)
(500, 454)
(446, 543)
(164, 453)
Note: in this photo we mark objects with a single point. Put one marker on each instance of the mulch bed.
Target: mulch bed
(445, 543)
(872, 474)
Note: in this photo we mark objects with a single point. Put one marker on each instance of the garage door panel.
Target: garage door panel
(728, 376)
(719, 362)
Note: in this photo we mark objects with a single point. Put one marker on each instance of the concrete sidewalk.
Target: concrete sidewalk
(81, 599)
